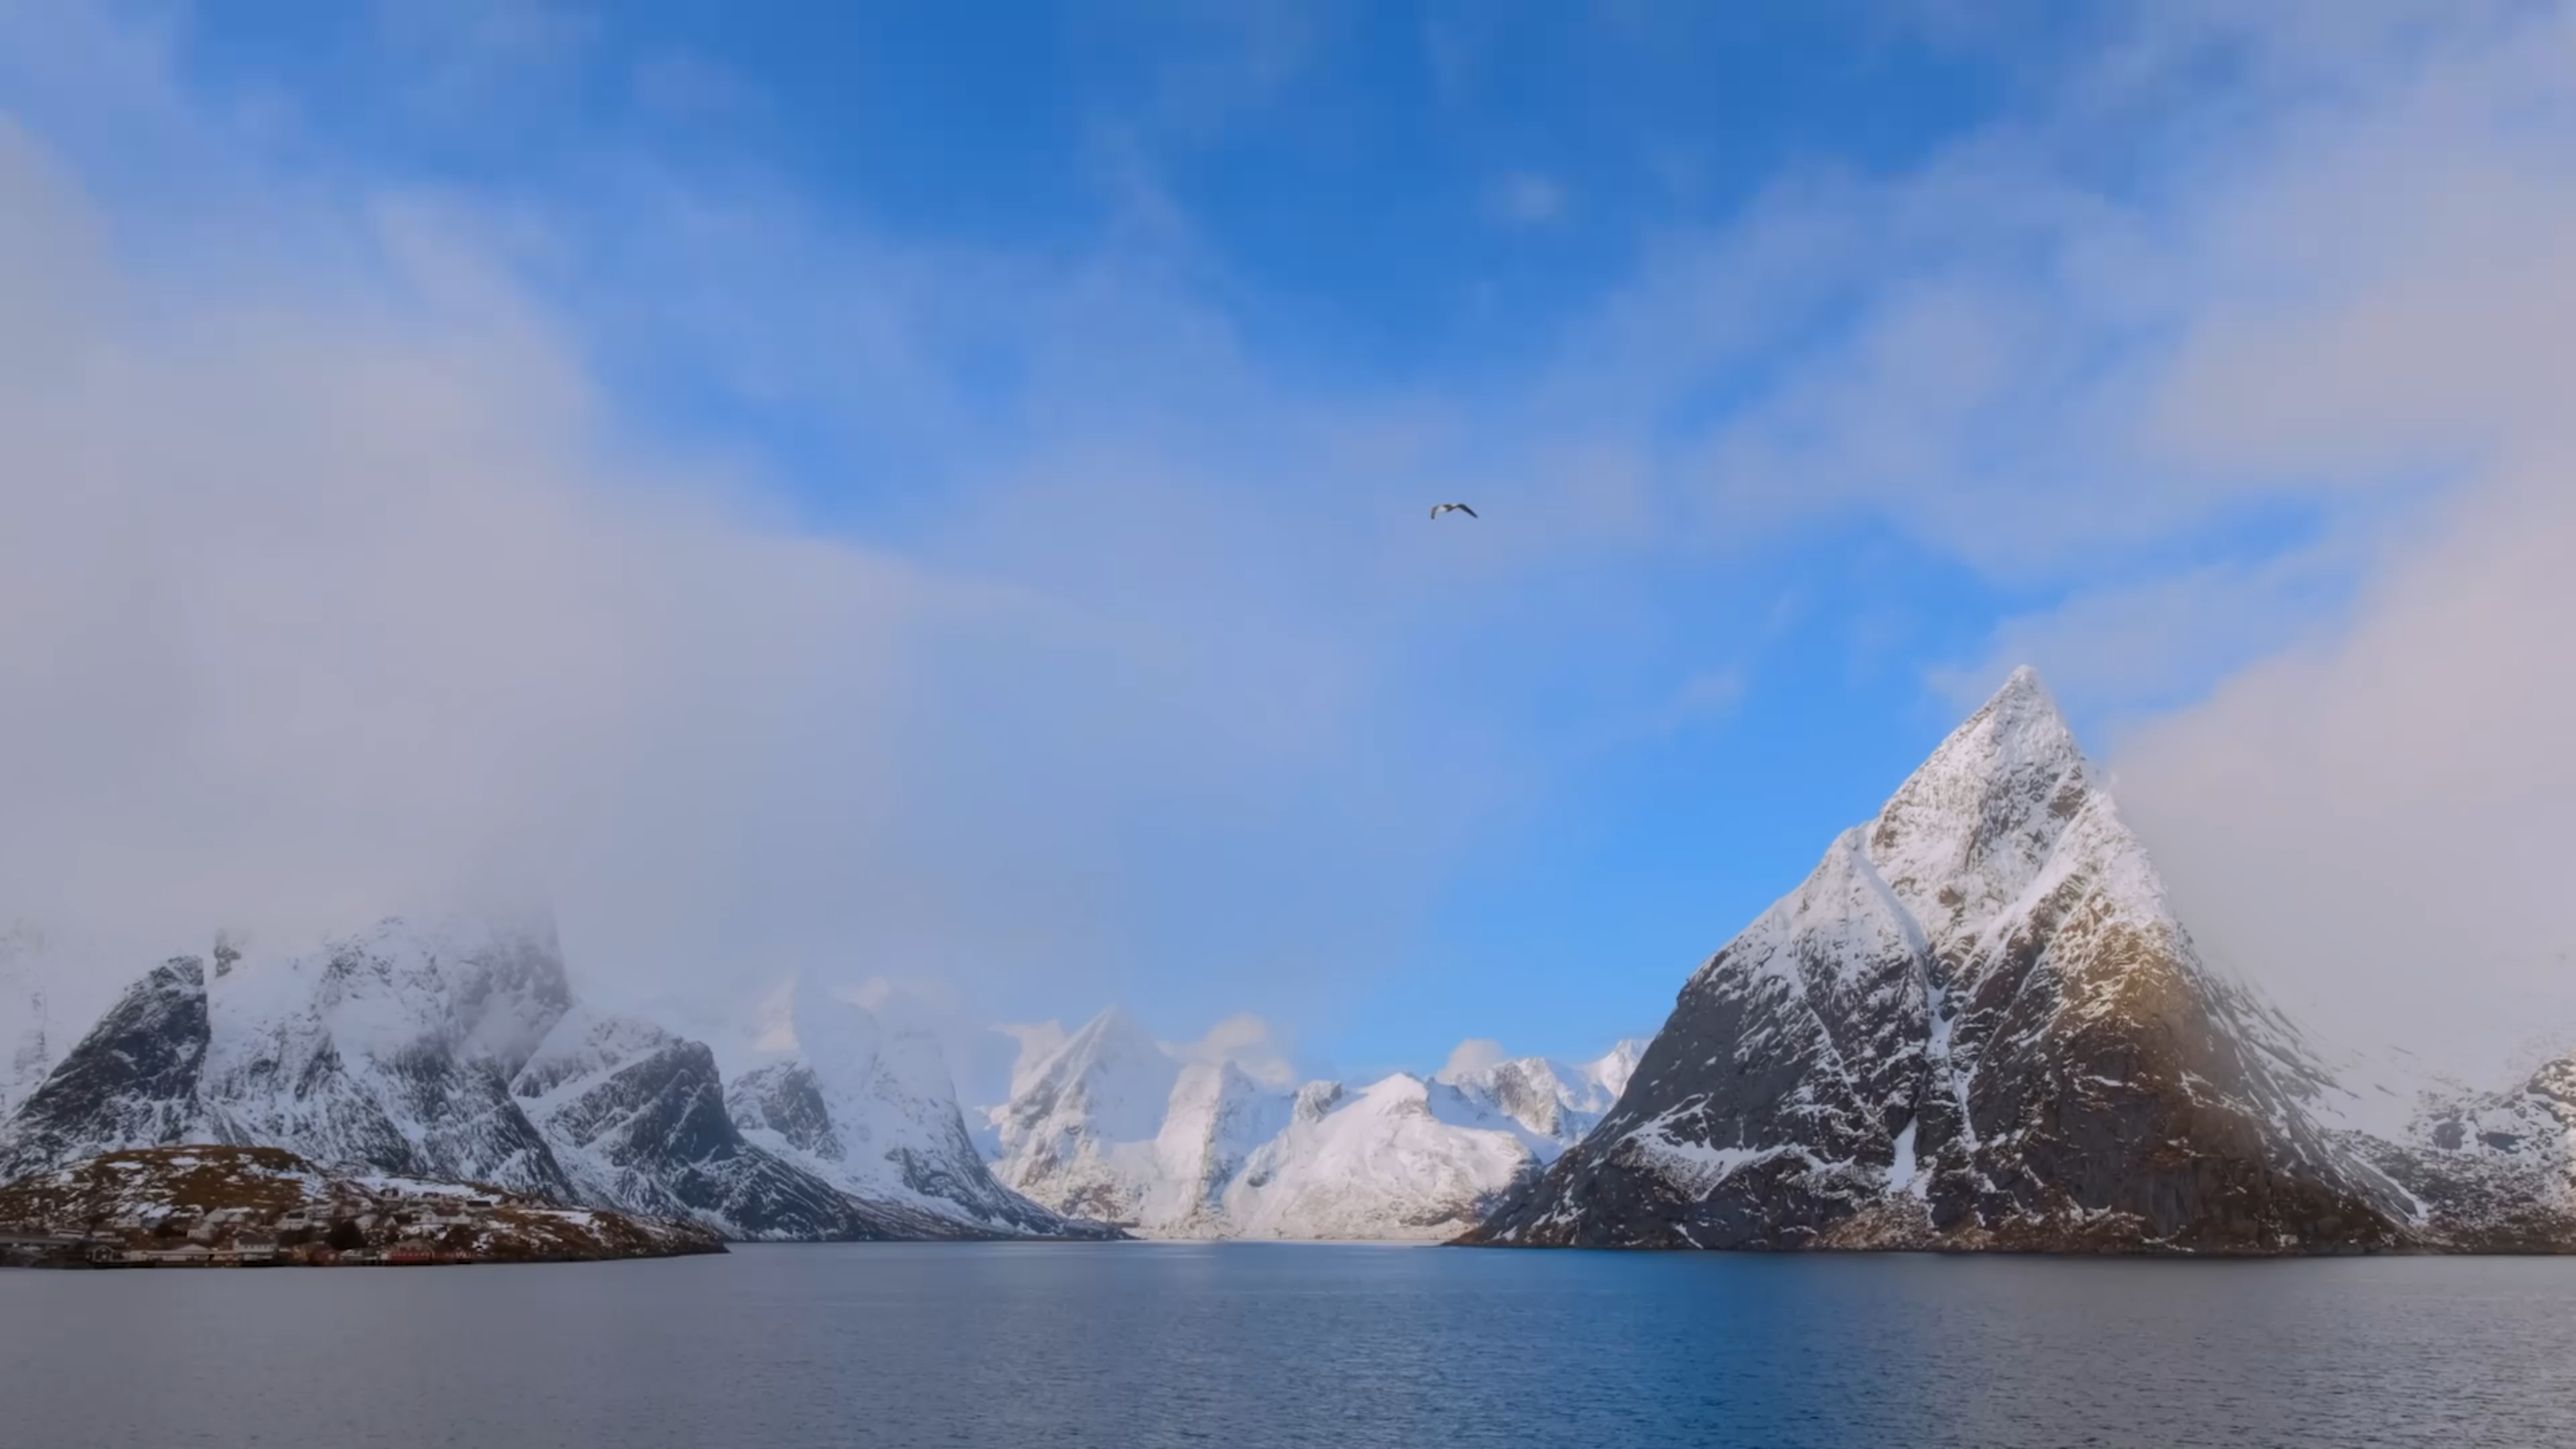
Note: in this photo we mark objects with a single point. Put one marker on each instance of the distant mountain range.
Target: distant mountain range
(1112, 1126)
(455, 1050)
(1977, 1024)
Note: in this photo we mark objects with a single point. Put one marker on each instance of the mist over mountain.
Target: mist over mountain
(454, 1048)
(1112, 1125)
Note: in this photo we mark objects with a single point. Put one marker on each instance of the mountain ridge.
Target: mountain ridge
(1977, 1023)
(455, 1049)
(1111, 1124)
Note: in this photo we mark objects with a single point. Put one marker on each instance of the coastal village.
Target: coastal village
(251, 1207)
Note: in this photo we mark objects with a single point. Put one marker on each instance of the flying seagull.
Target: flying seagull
(1440, 508)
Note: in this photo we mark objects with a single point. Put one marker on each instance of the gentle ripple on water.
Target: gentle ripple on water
(1119, 1345)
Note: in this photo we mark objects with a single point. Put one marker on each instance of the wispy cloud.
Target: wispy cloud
(2360, 308)
(1218, 64)
(1703, 698)
(468, 54)
(1247, 1043)
(2123, 651)
(392, 599)
(1527, 198)
(1450, 50)
(689, 87)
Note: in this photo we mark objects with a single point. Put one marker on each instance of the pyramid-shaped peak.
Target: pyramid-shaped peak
(2018, 729)
(2022, 700)
(2022, 683)
(1111, 1076)
(1112, 1037)
(1977, 818)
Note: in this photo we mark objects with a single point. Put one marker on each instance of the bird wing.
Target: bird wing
(1436, 507)
(1463, 508)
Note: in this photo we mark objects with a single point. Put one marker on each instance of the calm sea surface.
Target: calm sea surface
(1252, 1345)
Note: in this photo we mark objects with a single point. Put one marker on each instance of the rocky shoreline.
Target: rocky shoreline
(227, 1207)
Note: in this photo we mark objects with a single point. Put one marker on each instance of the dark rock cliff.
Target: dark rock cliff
(131, 1082)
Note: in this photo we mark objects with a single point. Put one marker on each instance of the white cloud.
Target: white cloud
(1251, 1044)
(2378, 826)
(467, 56)
(2120, 650)
(1035, 1042)
(2369, 817)
(314, 609)
(335, 584)
(1706, 696)
(1473, 1055)
(1527, 198)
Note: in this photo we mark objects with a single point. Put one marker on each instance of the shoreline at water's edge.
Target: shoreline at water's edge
(86, 1264)
(222, 1206)
(2143, 1251)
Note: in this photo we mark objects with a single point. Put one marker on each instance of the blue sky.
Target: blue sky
(991, 452)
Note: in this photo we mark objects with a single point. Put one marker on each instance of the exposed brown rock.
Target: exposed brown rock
(248, 1206)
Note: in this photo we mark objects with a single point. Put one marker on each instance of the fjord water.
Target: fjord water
(1256, 1345)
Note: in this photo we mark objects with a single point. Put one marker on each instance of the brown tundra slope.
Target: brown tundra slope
(1978, 1025)
(173, 1204)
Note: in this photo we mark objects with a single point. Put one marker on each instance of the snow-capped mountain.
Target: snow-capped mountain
(2492, 1171)
(131, 1082)
(1112, 1125)
(637, 1119)
(1400, 1158)
(391, 1049)
(872, 1110)
(1559, 1101)
(453, 1049)
(394, 1048)
(1977, 1023)
(1080, 1130)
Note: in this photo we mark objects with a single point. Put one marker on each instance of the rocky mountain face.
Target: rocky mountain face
(211, 1205)
(1110, 1125)
(1976, 1024)
(637, 1119)
(132, 1082)
(1557, 1101)
(872, 1111)
(1080, 1132)
(393, 1048)
(1400, 1158)
(2491, 1171)
(454, 1050)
